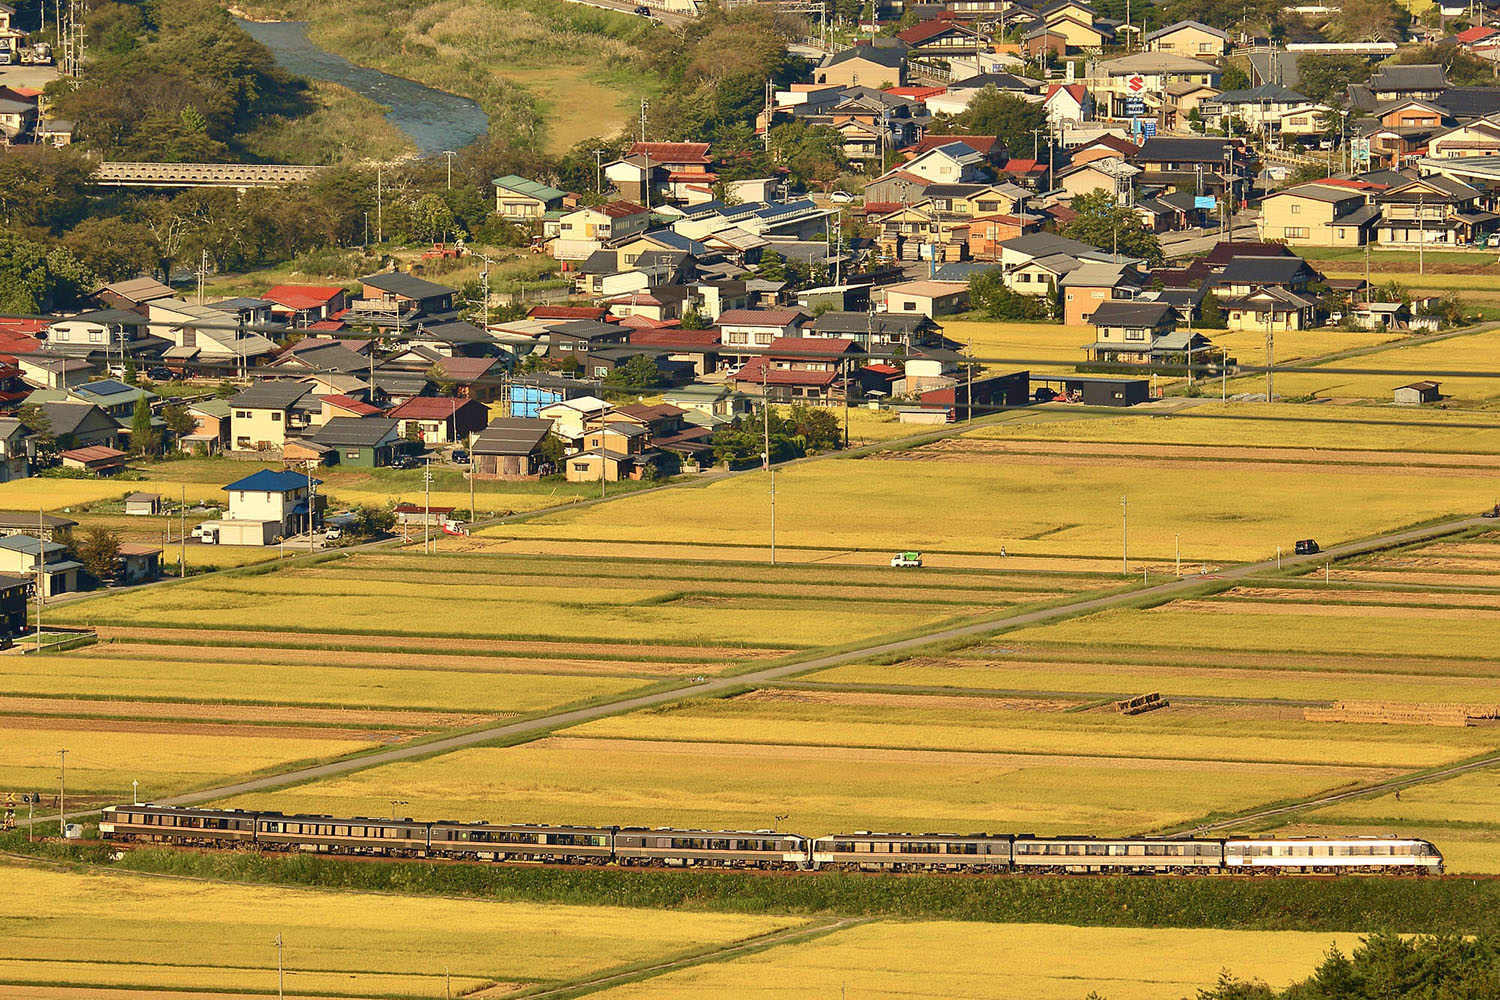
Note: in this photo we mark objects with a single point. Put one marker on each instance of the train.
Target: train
(627, 846)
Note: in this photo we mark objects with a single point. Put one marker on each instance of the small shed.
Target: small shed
(143, 504)
(96, 458)
(139, 563)
(1418, 393)
(419, 514)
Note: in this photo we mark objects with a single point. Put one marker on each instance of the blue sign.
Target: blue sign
(1148, 128)
(1205, 201)
(1135, 107)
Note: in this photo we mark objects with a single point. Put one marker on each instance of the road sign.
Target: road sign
(1136, 84)
(1135, 107)
(1205, 201)
(1148, 128)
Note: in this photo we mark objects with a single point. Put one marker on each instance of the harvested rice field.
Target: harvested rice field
(823, 789)
(109, 930)
(896, 961)
(1058, 505)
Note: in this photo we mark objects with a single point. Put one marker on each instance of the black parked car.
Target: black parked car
(160, 374)
(1307, 547)
(643, 10)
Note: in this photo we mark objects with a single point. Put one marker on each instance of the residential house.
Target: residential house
(961, 93)
(1189, 38)
(1417, 393)
(204, 335)
(132, 294)
(1220, 164)
(953, 163)
(510, 448)
(50, 371)
(15, 462)
(1433, 210)
(708, 405)
(698, 348)
(1329, 213)
(524, 201)
(801, 370)
(99, 459)
(1397, 82)
(210, 426)
(927, 298)
(1480, 137)
(942, 37)
(111, 332)
(668, 429)
(1271, 309)
(571, 418)
(1130, 332)
(20, 555)
(397, 299)
(137, 563)
(1267, 109)
(113, 397)
(578, 338)
(15, 603)
(869, 64)
(610, 222)
(874, 331)
(743, 331)
(269, 413)
(300, 306)
(1068, 104)
(48, 526)
(361, 442)
(1113, 176)
(1245, 274)
(267, 505)
(440, 420)
(1093, 283)
(77, 424)
(686, 165)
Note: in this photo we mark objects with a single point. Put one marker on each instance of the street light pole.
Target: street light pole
(280, 970)
(1125, 536)
(449, 154)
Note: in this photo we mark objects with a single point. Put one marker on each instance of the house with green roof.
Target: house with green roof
(523, 200)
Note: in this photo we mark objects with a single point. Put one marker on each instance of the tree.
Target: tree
(34, 278)
(692, 319)
(144, 439)
(99, 551)
(432, 217)
(44, 445)
(132, 376)
(1368, 21)
(1463, 68)
(1234, 78)
(817, 426)
(180, 423)
(639, 372)
(226, 389)
(1105, 223)
(1013, 120)
(441, 380)
(1211, 313)
(1327, 78)
(772, 267)
(367, 521)
(989, 294)
(1230, 988)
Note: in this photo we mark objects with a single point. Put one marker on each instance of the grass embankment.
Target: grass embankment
(547, 74)
(1351, 904)
(343, 128)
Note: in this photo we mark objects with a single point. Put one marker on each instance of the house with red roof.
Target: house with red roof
(746, 332)
(1068, 104)
(801, 370)
(440, 419)
(595, 313)
(698, 347)
(582, 232)
(942, 36)
(299, 306)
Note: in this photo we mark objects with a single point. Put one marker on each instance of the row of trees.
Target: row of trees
(795, 431)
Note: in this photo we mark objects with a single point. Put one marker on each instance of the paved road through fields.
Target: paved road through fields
(537, 726)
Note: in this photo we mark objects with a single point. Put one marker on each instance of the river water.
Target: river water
(434, 120)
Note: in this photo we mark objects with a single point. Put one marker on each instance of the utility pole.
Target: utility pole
(1421, 232)
(448, 155)
(312, 506)
(773, 517)
(427, 508)
(846, 403)
(280, 970)
(202, 274)
(645, 106)
(62, 790)
(765, 408)
(1270, 361)
(379, 204)
(41, 576)
(1125, 536)
(1177, 550)
(182, 537)
(598, 171)
(471, 480)
(970, 392)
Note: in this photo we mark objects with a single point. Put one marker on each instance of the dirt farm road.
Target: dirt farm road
(518, 731)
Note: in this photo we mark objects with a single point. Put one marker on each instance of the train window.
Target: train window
(843, 846)
(1095, 849)
(1156, 850)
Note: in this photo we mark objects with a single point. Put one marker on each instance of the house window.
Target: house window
(600, 371)
(564, 347)
(96, 336)
(909, 305)
(1205, 47)
(1135, 334)
(1341, 234)
(352, 454)
(1296, 209)
(567, 227)
(276, 416)
(1294, 232)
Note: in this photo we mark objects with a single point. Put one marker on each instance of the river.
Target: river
(434, 120)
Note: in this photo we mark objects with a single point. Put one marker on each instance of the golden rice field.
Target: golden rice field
(113, 930)
(1249, 346)
(1051, 507)
(1409, 361)
(1281, 425)
(822, 789)
(104, 757)
(1175, 734)
(1282, 630)
(1040, 347)
(899, 961)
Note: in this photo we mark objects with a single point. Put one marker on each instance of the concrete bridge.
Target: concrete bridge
(239, 176)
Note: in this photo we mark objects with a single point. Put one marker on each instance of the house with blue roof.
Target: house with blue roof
(268, 505)
(19, 555)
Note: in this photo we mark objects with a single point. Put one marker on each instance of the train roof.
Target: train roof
(152, 807)
(710, 833)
